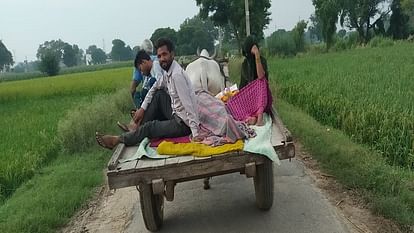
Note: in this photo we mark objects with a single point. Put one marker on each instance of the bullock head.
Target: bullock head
(204, 53)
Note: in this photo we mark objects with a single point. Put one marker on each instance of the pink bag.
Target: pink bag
(250, 99)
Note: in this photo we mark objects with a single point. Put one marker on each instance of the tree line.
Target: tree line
(369, 18)
(217, 20)
(224, 22)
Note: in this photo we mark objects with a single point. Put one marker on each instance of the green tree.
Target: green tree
(196, 33)
(98, 55)
(204, 24)
(327, 12)
(398, 22)
(120, 52)
(298, 35)
(6, 58)
(281, 43)
(360, 15)
(232, 12)
(49, 62)
(54, 45)
(341, 33)
(69, 56)
(164, 33)
(79, 55)
(315, 28)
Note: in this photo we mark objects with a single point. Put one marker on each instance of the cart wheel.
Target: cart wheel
(263, 185)
(152, 207)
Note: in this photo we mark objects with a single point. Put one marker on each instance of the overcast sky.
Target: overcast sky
(25, 24)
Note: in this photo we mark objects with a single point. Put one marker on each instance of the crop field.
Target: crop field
(30, 111)
(367, 93)
(47, 127)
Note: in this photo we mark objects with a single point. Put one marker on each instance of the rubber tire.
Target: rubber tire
(263, 185)
(152, 208)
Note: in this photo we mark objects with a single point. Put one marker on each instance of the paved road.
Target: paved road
(229, 206)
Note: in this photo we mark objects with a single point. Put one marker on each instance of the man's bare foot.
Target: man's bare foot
(251, 120)
(260, 121)
(107, 141)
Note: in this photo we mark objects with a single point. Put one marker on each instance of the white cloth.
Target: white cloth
(261, 144)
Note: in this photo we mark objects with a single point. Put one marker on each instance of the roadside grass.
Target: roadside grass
(28, 141)
(76, 131)
(388, 189)
(367, 93)
(46, 202)
(29, 116)
(54, 194)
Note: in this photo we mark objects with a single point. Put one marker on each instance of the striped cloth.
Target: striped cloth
(217, 126)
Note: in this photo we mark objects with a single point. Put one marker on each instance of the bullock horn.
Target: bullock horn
(198, 51)
(214, 54)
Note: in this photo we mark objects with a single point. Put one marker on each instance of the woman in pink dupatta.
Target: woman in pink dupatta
(255, 97)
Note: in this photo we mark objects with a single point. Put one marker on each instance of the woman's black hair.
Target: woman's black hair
(248, 44)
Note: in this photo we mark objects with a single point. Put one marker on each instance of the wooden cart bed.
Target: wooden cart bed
(184, 168)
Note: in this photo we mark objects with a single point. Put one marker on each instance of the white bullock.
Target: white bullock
(205, 73)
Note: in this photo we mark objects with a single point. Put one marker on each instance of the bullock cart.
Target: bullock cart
(155, 179)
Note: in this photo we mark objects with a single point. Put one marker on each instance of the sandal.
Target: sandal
(122, 126)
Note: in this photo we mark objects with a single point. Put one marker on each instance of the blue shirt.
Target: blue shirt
(136, 75)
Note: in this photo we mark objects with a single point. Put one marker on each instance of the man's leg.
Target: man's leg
(159, 108)
(156, 129)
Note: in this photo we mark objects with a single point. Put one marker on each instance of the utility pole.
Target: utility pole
(26, 68)
(220, 38)
(103, 45)
(246, 6)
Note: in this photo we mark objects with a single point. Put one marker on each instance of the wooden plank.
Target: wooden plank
(286, 151)
(129, 151)
(158, 162)
(145, 163)
(250, 169)
(158, 187)
(127, 166)
(282, 139)
(171, 161)
(185, 172)
(202, 157)
(185, 159)
(277, 136)
(169, 190)
(284, 131)
(113, 162)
